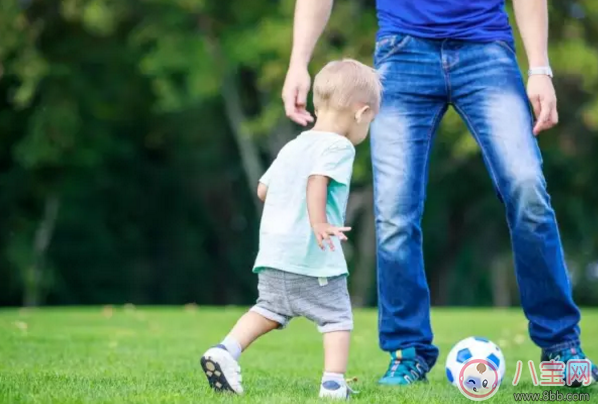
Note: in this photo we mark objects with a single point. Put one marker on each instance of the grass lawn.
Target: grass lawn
(150, 355)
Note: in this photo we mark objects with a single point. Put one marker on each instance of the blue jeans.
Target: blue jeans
(482, 81)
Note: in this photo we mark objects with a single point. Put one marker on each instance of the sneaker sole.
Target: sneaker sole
(215, 375)
(383, 382)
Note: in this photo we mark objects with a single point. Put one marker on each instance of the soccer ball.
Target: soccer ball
(473, 348)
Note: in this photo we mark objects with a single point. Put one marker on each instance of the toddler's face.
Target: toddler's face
(361, 125)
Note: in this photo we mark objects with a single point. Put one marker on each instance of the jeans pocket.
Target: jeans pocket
(507, 46)
(388, 46)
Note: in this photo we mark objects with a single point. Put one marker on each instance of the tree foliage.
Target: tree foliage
(133, 133)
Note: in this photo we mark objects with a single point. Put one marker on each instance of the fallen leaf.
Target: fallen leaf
(23, 311)
(108, 311)
(21, 325)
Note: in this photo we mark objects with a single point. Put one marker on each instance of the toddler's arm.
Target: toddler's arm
(262, 190)
(264, 182)
(317, 188)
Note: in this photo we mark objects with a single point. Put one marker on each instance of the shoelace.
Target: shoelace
(410, 370)
(351, 380)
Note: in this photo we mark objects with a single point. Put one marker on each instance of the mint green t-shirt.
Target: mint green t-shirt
(287, 242)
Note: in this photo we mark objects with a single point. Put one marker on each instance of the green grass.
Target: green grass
(150, 355)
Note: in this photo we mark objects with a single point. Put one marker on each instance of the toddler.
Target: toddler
(300, 264)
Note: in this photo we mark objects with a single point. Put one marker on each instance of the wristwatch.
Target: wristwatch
(540, 71)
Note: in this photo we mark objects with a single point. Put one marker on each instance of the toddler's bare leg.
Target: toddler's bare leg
(336, 356)
(336, 351)
(250, 327)
(220, 363)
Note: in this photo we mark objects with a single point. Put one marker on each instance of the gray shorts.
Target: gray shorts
(325, 301)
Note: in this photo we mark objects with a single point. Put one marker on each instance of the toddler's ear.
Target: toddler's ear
(359, 113)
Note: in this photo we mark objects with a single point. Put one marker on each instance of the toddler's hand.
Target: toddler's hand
(324, 231)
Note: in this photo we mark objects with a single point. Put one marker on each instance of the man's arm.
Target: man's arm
(532, 20)
(311, 16)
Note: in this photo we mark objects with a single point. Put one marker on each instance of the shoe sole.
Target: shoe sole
(383, 383)
(215, 375)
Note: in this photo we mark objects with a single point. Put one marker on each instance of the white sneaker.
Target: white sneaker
(222, 370)
(335, 390)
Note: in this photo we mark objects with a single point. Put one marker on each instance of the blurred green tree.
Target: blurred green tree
(134, 132)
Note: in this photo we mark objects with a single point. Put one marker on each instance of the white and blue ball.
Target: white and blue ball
(473, 348)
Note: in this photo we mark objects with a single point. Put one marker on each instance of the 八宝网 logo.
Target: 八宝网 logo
(478, 379)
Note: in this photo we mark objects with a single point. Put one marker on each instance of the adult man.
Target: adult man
(433, 54)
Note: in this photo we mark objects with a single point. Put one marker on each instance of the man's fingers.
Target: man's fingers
(331, 243)
(307, 116)
(289, 97)
(297, 118)
(343, 229)
(554, 117)
(544, 119)
(536, 105)
(539, 127)
(300, 117)
(301, 99)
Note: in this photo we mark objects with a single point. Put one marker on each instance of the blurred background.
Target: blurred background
(133, 133)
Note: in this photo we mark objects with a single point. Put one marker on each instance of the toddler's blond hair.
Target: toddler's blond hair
(342, 83)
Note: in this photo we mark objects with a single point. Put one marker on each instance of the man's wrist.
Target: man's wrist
(299, 61)
(539, 65)
(538, 58)
(540, 71)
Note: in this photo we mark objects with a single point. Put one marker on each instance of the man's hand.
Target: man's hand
(324, 231)
(543, 99)
(310, 19)
(294, 94)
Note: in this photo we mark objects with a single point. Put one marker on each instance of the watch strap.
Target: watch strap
(540, 71)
